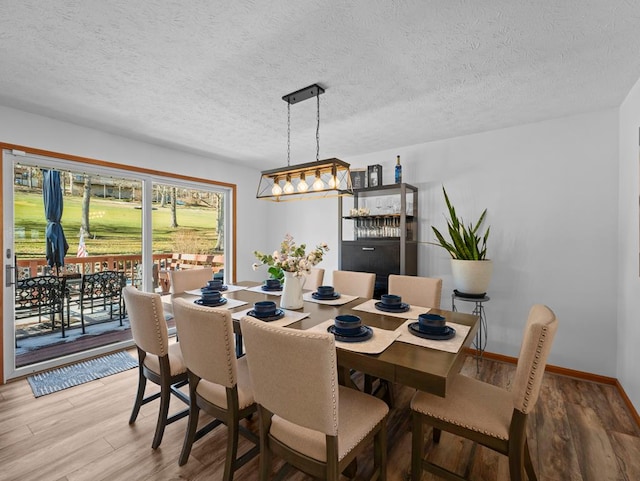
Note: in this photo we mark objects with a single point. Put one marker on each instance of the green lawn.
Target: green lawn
(115, 227)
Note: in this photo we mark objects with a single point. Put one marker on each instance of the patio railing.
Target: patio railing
(129, 264)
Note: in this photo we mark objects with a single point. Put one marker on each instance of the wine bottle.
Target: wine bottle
(398, 171)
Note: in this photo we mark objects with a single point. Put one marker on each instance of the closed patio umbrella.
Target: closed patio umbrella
(57, 246)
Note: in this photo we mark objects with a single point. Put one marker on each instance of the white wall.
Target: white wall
(628, 268)
(21, 128)
(551, 193)
(551, 189)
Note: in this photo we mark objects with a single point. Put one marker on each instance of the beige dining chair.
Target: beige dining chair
(189, 279)
(314, 279)
(306, 418)
(158, 361)
(487, 414)
(218, 382)
(354, 283)
(417, 291)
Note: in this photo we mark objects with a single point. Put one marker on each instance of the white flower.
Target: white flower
(255, 266)
(291, 257)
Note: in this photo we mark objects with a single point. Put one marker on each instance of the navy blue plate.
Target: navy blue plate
(449, 332)
(278, 315)
(402, 308)
(207, 288)
(202, 302)
(365, 333)
(335, 295)
(265, 288)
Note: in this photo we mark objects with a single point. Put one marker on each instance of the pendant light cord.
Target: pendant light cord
(318, 129)
(288, 133)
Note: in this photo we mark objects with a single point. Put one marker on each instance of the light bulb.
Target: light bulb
(302, 185)
(288, 186)
(318, 184)
(333, 180)
(276, 189)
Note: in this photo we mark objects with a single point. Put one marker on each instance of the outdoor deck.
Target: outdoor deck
(37, 342)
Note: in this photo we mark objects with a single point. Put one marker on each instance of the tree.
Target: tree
(86, 197)
(220, 222)
(174, 201)
(163, 196)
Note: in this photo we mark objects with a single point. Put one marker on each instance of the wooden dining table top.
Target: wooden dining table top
(419, 367)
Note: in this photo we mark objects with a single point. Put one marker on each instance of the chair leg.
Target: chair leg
(82, 318)
(190, 435)
(516, 463)
(165, 397)
(528, 465)
(436, 435)
(380, 452)
(142, 383)
(368, 384)
(265, 454)
(417, 439)
(232, 448)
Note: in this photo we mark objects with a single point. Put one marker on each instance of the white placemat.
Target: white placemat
(380, 340)
(230, 304)
(343, 299)
(370, 306)
(449, 345)
(262, 291)
(230, 288)
(289, 317)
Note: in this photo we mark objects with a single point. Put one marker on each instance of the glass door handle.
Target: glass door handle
(9, 279)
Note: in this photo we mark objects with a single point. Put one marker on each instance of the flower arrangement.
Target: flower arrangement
(290, 258)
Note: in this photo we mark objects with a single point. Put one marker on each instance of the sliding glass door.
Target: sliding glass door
(118, 224)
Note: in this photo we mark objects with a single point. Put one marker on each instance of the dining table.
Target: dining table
(428, 369)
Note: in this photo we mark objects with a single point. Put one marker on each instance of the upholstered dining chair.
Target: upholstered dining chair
(314, 279)
(158, 361)
(418, 291)
(189, 279)
(306, 418)
(353, 283)
(218, 382)
(486, 414)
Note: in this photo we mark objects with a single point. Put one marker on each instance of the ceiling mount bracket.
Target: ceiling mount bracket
(303, 94)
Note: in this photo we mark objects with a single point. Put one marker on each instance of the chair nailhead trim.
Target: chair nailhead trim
(158, 333)
(534, 368)
(229, 349)
(466, 426)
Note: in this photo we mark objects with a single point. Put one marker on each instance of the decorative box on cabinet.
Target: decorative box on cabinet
(378, 228)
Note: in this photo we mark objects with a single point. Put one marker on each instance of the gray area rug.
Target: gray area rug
(65, 377)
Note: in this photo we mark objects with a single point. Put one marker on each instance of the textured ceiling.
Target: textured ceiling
(208, 76)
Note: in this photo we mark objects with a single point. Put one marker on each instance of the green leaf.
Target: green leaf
(465, 244)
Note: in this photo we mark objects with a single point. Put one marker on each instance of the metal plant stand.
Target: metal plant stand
(480, 342)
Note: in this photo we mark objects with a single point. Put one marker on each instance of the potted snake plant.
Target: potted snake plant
(467, 247)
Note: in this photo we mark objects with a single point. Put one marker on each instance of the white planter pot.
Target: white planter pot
(471, 277)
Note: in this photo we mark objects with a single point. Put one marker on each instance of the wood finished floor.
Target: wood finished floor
(579, 431)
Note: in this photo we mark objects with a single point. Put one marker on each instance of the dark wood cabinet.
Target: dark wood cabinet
(378, 232)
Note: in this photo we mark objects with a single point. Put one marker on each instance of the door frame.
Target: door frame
(70, 162)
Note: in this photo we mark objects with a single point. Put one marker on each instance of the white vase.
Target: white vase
(471, 277)
(291, 292)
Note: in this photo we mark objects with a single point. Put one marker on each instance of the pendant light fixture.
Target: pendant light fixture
(312, 180)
